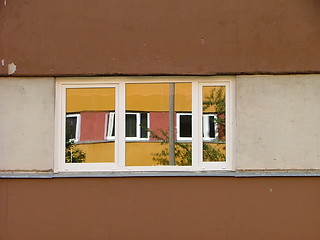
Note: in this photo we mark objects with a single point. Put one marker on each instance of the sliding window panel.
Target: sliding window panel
(90, 125)
(151, 124)
(214, 123)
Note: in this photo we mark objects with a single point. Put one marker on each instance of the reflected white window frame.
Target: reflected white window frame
(109, 127)
(119, 84)
(206, 127)
(78, 124)
(178, 122)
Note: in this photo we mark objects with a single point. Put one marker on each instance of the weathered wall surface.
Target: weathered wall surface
(174, 208)
(47, 37)
(278, 122)
(277, 119)
(26, 123)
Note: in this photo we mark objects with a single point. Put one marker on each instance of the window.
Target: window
(72, 127)
(151, 124)
(137, 125)
(184, 126)
(209, 129)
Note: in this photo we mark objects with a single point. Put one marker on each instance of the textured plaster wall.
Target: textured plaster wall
(278, 122)
(26, 123)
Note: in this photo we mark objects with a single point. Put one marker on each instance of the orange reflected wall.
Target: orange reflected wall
(92, 126)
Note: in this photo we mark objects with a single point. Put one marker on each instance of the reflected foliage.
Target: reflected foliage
(74, 154)
(210, 154)
(183, 151)
(216, 99)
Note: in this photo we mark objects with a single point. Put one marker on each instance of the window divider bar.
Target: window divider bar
(195, 126)
(120, 139)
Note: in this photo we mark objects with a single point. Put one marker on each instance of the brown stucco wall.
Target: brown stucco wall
(160, 208)
(103, 37)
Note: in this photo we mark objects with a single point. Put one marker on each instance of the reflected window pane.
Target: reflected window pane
(131, 125)
(212, 124)
(185, 128)
(72, 127)
(144, 125)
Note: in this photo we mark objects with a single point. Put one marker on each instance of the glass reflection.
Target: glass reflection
(152, 135)
(87, 113)
(213, 123)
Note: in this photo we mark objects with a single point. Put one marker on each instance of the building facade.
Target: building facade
(159, 119)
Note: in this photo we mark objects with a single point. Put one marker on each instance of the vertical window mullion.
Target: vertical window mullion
(228, 125)
(196, 126)
(62, 94)
(120, 126)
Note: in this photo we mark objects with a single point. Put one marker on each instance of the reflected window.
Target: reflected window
(72, 127)
(137, 126)
(210, 129)
(184, 126)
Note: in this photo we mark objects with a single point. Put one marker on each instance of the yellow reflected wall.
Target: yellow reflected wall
(141, 153)
(103, 99)
(90, 99)
(155, 97)
(98, 152)
(101, 152)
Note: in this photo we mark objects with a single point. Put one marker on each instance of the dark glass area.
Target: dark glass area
(71, 126)
(185, 126)
(131, 125)
(212, 132)
(144, 125)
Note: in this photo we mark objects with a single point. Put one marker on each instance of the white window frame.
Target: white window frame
(178, 127)
(206, 127)
(119, 84)
(77, 133)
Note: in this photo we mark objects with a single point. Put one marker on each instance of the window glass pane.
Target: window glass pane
(156, 106)
(213, 123)
(185, 127)
(112, 130)
(88, 111)
(144, 125)
(71, 127)
(131, 125)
